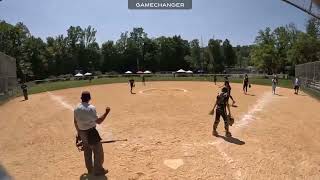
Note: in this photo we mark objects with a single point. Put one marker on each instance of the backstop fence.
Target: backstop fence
(8, 75)
(309, 74)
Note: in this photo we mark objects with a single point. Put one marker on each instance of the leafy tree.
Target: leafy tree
(195, 58)
(216, 54)
(229, 54)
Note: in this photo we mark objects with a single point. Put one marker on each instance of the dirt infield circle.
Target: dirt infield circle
(168, 91)
(169, 133)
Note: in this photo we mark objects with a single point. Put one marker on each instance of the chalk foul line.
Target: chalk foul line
(244, 121)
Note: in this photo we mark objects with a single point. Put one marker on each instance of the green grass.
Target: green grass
(80, 83)
(38, 88)
(312, 92)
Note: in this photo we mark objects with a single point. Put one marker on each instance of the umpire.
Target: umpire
(85, 120)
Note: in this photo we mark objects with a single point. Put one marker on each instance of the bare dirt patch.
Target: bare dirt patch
(168, 132)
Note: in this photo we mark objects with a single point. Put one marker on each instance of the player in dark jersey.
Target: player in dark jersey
(215, 79)
(132, 85)
(221, 107)
(143, 80)
(25, 91)
(245, 84)
(227, 85)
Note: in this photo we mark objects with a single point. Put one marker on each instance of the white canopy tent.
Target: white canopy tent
(189, 72)
(147, 72)
(78, 75)
(88, 74)
(181, 71)
(128, 72)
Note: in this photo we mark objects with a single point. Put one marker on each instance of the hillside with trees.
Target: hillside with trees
(274, 51)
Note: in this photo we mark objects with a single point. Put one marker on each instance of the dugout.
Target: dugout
(8, 74)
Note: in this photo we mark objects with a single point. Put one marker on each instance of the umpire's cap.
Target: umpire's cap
(85, 96)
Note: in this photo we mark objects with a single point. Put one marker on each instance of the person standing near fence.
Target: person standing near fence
(215, 79)
(274, 84)
(143, 80)
(296, 85)
(25, 91)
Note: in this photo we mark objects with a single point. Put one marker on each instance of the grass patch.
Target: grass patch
(80, 83)
(312, 92)
(38, 88)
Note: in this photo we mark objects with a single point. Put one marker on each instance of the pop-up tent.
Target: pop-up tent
(88, 74)
(139, 72)
(181, 71)
(128, 72)
(147, 72)
(189, 72)
(78, 75)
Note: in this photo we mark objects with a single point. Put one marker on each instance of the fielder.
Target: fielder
(227, 85)
(274, 84)
(296, 85)
(221, 105)
(85, 120)
(25, 91)
(245, 84)
(143, 80)
(132, 85)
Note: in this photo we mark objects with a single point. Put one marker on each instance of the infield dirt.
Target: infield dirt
(169, 134)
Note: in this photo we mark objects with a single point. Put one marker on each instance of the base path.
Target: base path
(169, 134)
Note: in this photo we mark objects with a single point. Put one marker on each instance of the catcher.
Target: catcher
(221, 105)
(88, 139)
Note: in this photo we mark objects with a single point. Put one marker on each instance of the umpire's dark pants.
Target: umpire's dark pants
(97, 149)
(217, 120)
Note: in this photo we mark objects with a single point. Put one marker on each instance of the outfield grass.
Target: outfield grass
(38, 88)
(80, 83)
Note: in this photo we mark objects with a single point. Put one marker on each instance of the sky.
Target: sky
(237, 20)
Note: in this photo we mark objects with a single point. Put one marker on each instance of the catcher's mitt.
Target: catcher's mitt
(231, 120)
(79, 143)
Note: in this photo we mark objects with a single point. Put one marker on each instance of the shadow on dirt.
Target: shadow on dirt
(232, 140)
(86, 176)
(250, 95)
(4, 174)
(278, 94)
(301, 95)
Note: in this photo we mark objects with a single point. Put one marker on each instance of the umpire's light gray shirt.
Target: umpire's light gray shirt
(85, 115)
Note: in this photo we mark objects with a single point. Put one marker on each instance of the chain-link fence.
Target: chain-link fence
(311, 7)
(8, 76)
(309, 74)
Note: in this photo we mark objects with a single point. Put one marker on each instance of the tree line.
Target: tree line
(284, 47)
(273, 51)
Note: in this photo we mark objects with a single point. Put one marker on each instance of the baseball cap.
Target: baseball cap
(85, 96)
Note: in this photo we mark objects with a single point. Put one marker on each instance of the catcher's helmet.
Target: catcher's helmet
(224, 90)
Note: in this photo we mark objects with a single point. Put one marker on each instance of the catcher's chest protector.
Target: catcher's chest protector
(222, 99)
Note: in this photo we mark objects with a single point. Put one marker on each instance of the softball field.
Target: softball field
(169, 134)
